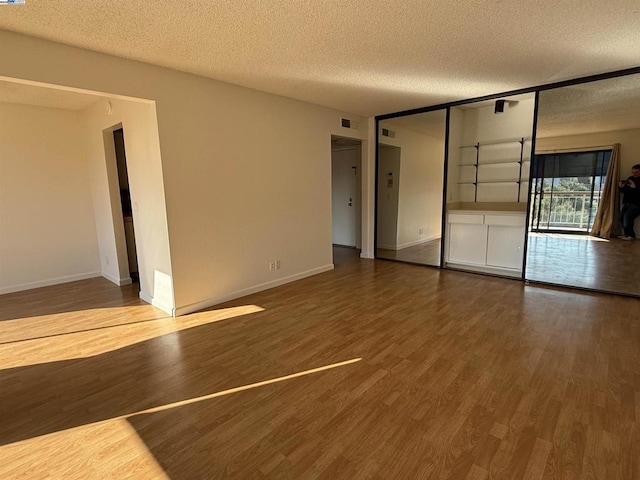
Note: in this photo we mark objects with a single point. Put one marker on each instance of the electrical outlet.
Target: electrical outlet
(272, 266)
(421, 231)
(277, 264)
(106, 260)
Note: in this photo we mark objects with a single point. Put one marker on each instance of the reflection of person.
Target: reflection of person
(631, 204)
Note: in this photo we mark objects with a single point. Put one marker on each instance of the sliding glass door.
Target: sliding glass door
(566, 189)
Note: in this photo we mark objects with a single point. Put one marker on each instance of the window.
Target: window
(566, 189)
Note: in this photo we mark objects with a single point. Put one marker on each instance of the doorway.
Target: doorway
(125, 201)
(346, 216)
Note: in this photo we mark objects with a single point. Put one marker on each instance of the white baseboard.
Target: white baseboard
(194, 307)
(417, 242)
(47, 283)
(367, 255)
(146, 298)
(168, 309)
(409, 244)
(503, 272)
(120, 282)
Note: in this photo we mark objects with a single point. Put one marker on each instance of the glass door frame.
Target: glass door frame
(447, 106)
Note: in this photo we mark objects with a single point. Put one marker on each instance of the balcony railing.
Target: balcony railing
(566, 211)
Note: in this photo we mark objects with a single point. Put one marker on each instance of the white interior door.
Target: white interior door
(344, 196)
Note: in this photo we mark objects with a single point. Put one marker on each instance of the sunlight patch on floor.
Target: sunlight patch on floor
(568, 236)
(29, 328)
(83, 344)
(249, 386)
(120, 451)
(108, 449)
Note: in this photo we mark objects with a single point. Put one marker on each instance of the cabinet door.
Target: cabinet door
(467, 243)
(504, 248)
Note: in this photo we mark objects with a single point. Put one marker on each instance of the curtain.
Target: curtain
(607, 219)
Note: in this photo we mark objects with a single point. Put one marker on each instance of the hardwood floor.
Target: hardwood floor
(427, 253)
(376, 370)
(584, 261)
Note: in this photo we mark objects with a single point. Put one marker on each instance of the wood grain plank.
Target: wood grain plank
(454, 376)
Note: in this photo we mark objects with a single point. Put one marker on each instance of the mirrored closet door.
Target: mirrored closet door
(487, 185)
(410, 188)
(587, 140)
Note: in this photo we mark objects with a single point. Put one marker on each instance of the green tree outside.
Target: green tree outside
(563, 204)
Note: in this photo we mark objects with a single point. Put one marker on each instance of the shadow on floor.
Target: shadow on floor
(85, 294)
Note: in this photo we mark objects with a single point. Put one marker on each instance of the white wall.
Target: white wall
(629, 141)
(144, 167)
(248, 181)
(456, 129)
(389, 166)
(420, 196)
(470, 125)
(483, 125)
(421, 193)
(247, 175)
(47, 225)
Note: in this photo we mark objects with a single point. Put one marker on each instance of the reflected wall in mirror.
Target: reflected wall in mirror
(487, 185)
(575, 200)
(409, 190)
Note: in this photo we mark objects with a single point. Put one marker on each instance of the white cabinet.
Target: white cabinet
(492, 242)
(504, 247)
(467, 239)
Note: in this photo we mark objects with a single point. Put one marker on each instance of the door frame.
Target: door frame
(351, 144)
(117, 216)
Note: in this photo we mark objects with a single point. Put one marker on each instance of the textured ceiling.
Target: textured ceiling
(430, 123)
(368, 57)
(606, 105)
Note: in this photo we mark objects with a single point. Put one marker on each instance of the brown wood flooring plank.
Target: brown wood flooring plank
(454, 376)
(584, 261)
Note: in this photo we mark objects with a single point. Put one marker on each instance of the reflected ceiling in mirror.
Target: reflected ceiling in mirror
(429, 123)
(602, 106)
